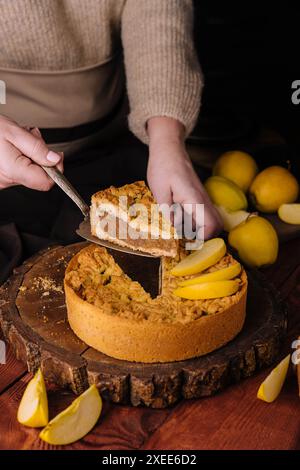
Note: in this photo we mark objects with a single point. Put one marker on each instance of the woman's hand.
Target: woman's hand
(170, 173)
(21, 154)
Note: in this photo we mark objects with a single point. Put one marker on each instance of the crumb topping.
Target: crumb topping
(47, 285)
(135, 193)
(97, 279)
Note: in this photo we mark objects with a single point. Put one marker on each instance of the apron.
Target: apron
(69, 100)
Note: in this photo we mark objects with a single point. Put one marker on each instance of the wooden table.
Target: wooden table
(233, 419)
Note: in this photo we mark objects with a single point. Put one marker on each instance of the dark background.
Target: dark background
(250, 55)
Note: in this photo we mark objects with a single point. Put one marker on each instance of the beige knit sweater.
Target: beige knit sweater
(163, 74)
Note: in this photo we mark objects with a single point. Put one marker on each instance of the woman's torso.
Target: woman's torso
(61, 60)
(58, 35)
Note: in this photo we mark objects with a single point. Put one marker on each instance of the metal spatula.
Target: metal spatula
(146, 271)
(84, 229)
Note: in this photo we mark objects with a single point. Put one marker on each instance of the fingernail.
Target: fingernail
(35, 131)
(53, 157)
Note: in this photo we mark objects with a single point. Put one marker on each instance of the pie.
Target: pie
(128, 216)
(113, 314)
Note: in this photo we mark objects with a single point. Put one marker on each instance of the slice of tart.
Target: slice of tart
(129, 216)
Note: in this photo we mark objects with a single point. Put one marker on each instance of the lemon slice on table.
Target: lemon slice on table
(75, 421)
(210, 253)
(272, 385)
(33, 409)
(223, 274)
(208, 290)
(232, 218)
(290, 213)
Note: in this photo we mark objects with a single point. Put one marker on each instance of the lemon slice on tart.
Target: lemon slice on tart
(208, 290)
(75, 421)
(208, 255)
(223, 274)
(33, 409)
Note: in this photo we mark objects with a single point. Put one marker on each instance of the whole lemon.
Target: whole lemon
(255, 241)
(238, 167)
(272, 187)
(224, 192)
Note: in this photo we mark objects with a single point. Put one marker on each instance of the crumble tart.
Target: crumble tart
(114, 314)
(127, 216)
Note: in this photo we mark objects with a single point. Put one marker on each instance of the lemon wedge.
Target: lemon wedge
(210, 253)
(290, 213)
(208, 290)
(272, 385)
(232, 218)
(33, 409)
(223, 274)
(75, 421)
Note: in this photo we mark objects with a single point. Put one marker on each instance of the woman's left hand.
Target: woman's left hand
(171, 176)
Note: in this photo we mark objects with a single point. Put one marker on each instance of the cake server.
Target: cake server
(147, 272)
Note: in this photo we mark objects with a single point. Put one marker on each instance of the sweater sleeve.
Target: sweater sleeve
(162, 68)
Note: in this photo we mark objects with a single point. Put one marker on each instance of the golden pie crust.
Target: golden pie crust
(114, 315)
(109, 202)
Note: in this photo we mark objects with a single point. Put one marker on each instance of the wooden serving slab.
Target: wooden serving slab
(34, 321)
